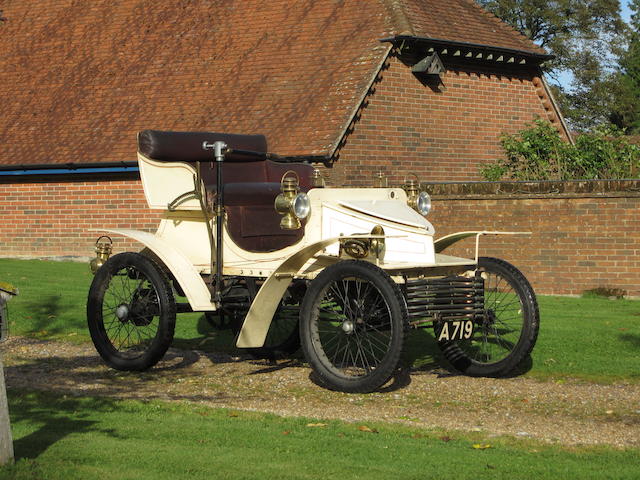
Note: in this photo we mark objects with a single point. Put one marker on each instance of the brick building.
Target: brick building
(420, 86)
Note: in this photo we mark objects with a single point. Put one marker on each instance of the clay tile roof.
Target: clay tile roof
(463, 21)
(79, 79)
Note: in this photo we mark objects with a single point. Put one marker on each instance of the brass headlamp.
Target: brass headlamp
(419, 201)
(412, 188)
(292, 205)
(103, 252)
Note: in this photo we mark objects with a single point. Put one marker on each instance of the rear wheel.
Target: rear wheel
(131, 312)
(352, 326)
(506, 332)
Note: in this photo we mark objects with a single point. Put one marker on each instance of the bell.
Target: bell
(103, 252)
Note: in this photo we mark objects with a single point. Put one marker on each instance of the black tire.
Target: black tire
(506, 332)
(131, 312)
(353, 324)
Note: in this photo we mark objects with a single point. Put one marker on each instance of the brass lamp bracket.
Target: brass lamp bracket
(371, 247)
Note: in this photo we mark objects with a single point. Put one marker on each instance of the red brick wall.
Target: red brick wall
(582, 239)
(52, 217)
(438, 131)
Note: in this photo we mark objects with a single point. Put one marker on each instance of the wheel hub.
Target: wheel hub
(122, 312)
(489, 317)
(348, 327)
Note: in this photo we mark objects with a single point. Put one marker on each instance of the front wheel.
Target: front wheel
(353, 324)
(505, 332)
(131, 312)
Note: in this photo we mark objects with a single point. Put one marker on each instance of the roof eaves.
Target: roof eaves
(540, 57)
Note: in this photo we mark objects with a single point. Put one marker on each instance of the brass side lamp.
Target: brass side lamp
(419, 201)
(292, 205)
(103, 252)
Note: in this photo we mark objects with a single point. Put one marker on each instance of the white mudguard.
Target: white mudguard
(444, 242)
(182, 269)
(258, 320)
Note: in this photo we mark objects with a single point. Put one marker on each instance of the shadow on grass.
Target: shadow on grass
(425, 356)
(48, 314)
(633, 340)
(209, 339)
(57, 418)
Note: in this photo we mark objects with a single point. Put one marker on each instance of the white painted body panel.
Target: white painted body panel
(163, 182)
(186, 274)
(334, 212)
(387, 210)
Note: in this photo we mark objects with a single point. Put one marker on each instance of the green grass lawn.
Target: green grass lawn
(592, 338)
(56, 437)
(87, 438)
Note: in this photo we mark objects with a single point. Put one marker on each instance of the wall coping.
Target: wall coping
(538, 189)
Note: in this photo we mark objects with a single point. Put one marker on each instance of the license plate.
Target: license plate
(456, 330)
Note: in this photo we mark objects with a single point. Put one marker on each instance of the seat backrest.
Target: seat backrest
(187, 146)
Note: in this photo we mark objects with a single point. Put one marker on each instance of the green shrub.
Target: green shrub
(539, 153)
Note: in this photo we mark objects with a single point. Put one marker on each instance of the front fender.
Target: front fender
(446, 241)
(196, 291)
(263, 308)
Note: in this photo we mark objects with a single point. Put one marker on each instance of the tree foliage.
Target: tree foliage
(626, 112)
(581, 34)
(562, 27)
(539, 153)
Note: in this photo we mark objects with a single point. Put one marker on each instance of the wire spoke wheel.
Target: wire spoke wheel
(353, 326)
(131, 312)
(506, 331)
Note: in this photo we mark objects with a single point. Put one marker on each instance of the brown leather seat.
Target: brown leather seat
(251, 182)
(250, 190)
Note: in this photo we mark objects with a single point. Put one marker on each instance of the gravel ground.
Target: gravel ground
(569, 413)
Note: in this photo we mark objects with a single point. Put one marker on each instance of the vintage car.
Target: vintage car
(7, 291)
(342, 272)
